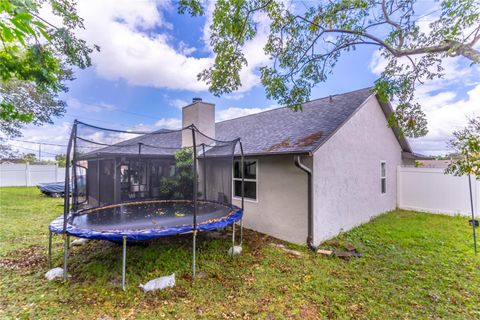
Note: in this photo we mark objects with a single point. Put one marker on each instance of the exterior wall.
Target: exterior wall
(281, 207)
(346, 173)
(23, 174)
(430, 190)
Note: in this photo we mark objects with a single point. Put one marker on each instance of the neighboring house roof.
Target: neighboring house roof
(415, 156)
(443, 164)
(11, 161)
(276, 131)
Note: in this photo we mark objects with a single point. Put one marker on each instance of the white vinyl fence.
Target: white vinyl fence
(24, 174)
(430, 190)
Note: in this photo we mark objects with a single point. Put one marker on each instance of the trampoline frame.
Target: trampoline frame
(67, 204)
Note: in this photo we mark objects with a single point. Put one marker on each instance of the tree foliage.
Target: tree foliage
(61, 160)
(36, 58)
(29, 157)
(6, 151)
(306, 41)
(180, 185)
(466, 144)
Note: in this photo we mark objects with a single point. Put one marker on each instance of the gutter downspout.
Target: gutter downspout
(308, 171)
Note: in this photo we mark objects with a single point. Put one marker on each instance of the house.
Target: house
(346, 144)
(310, 174)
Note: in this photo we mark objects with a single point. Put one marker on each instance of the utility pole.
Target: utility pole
(39, 152)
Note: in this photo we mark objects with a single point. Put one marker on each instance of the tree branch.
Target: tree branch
(327, 55)
(356, 33)
(394, 24)
(457, 47)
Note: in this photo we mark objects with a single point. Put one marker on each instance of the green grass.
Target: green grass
(415, 265)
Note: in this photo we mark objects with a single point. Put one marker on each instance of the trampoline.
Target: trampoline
(137, 186)
(145, 220)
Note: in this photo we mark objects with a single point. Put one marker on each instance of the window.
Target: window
(383, 176)
(250, 179)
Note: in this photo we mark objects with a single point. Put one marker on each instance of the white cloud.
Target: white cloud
(378, 63)
(234, 112)
(93, 107)
(178, 103)
(59, 133)
(169, 123)
(234, 96)
(445, 102)
(185, 49)
(444, 117)
(53, 134)
(136, 46)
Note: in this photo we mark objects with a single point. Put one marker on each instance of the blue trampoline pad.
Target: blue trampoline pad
(143, 220)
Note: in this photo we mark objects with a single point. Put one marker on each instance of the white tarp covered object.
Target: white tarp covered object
(159, 283)
(54, 274)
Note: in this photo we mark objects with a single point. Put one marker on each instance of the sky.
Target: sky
(147, 71)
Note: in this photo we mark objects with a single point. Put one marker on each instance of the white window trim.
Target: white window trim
(383, 177)
(240, 179)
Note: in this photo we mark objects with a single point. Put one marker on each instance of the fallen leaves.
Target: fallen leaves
(28, 258)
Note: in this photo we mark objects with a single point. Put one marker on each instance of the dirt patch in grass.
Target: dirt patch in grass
(24, 259)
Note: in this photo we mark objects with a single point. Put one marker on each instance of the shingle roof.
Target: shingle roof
(281, 130)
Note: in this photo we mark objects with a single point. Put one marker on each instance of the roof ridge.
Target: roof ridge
(275, 109)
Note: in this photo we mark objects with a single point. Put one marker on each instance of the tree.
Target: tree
(36, 58)
(29, 157)
(466, 143)
(306, 41)
(61, 160)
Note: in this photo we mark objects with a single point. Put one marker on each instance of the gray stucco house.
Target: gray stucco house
(309, 175)
(315, 173)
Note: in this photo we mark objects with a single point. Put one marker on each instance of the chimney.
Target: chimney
(201, 115)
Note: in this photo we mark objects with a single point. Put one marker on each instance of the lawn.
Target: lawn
(414, 265)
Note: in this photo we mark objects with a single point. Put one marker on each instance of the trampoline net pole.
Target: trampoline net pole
(73, 191)
(242, 161)
(204, 173)
(66, 205)
(98, 182)
(195, 204)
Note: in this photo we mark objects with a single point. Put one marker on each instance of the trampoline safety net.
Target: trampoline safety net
(113, 166)
(134, 185)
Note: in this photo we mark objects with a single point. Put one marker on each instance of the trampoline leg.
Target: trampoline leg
(194, 265)
(124, 261)
(50, 250)
(65, 255)
(233, 236)
(241, 232)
